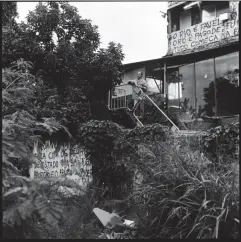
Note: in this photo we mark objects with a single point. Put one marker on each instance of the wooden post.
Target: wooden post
(178, 90)
(215, 88)
(165, 79)
(195, 90)
(165, 84)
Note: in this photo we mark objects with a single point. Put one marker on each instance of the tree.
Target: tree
(9, 12)
(23, 197)
(64, 50)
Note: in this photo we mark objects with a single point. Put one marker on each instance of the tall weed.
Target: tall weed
(183, 195)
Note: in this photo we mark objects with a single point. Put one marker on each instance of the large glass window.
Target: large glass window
(174, 90)
(154, 78)
(205, 94)
(187, 97)
(154, 85)
(227, 81)
(200, 89)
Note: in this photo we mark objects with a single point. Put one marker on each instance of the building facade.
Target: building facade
(199, 75)
(203, 58)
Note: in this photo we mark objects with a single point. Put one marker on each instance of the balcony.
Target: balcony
(198, 26)
(202, 36)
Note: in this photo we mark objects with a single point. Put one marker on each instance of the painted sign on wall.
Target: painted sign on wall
(203, 34)
(61, 160)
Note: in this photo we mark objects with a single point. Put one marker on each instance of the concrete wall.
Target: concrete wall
(61, 160)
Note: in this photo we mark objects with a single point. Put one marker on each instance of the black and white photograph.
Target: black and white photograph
(120, 119)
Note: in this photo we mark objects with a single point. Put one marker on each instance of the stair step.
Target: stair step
(189, 133)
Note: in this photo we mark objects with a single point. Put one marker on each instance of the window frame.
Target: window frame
(216, 75)
(209, 6)
(176, 12)
(199, 10)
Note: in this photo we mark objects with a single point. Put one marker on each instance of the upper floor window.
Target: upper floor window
(175, 23)
(222, 7)
(183, 17)
(208, 13)
(190, 17)
(211, 10)
(195, 15)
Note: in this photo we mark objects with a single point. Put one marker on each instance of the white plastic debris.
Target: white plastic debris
(109, 220)
(129, 223)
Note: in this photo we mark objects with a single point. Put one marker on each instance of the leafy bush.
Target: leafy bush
(223, 140)
(99, 139)
(24, 197)
(109, 146)
(79, 222)
(181, 194)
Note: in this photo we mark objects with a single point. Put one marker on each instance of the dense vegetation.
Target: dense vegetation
(53, 69)
(172, 187)
(64, 50)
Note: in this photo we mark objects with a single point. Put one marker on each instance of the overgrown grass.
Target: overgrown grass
(184, 195)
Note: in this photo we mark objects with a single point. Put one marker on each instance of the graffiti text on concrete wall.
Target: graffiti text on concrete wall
(61, 160)
(203, 34)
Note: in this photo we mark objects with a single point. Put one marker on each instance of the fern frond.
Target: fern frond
(21, 89)
(13, 192)
(21, 63)
(51, 125)
(49, 208)
(11, 216)
(25, 209)
(9, 165)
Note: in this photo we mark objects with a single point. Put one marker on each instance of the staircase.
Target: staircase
(145, 112)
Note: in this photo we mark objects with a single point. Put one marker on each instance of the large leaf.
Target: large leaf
(50, 207)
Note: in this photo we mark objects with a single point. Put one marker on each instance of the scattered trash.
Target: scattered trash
(129, 223)
(109, 220)
(115, 227)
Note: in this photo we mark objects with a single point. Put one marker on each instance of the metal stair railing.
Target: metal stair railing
(117, 99)
(152, 113)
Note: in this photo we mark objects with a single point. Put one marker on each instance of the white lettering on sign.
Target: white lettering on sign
(203, 34)
(61, 160)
